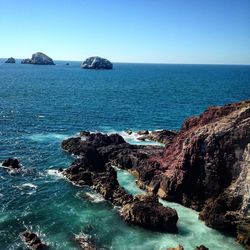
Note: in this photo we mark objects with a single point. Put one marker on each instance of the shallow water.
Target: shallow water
(40, 106)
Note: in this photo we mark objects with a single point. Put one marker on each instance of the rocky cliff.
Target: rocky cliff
(205, 166)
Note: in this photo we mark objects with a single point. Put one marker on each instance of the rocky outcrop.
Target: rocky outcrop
(206, 167)
(10, 60)
(201, 247)
(96, 62)
(26, 61)
(85, 242)
(11, 163)
(39, 58)
(179, 247)
(94, 168)
(32, 241)
(162, 136)
(147, 212)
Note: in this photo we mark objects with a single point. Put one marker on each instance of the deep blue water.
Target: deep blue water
(41, 105)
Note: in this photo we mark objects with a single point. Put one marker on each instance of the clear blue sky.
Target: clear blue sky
(163, 31)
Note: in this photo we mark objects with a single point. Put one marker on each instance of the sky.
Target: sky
(147, 31)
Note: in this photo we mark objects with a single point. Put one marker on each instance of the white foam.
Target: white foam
(55, 172)
(133, 138)
(95, 197)
(47, 137)
(25, 186)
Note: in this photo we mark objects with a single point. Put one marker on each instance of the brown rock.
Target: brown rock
(32, 241)
(147, 212)
(179, 247)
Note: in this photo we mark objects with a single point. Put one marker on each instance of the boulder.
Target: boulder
(84, 133)
(143, 132)
(11, 163)
(201, 247)
(179, 247)
(162, 136)
(10, 60)
(96, 62)
(85, 242)
(147, 212)
(32, 241)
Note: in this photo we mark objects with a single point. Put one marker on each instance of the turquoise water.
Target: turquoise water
(40, 106)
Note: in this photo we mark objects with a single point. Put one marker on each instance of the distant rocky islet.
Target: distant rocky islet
(39, 58)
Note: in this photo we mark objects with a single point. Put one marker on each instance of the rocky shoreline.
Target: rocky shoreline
(204, 166)
(94, 169)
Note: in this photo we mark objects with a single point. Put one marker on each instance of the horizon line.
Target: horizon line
(162, 63)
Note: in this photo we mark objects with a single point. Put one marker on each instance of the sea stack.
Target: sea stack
(10, 60)
(39, 58)
(96, 62)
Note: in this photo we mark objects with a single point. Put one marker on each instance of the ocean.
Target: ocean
(42, 105)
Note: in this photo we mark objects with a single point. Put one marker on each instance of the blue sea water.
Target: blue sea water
(42, 105)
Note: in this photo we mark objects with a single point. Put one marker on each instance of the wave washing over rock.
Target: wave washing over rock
(205, 166)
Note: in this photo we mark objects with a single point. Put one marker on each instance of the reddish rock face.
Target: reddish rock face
(207, 165)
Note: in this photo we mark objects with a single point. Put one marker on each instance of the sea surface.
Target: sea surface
(42, 105)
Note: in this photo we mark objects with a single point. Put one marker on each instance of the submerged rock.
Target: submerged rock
(85, 242)
(32, 241)
(147, 212)
(11, 163)
(96, 62)
(10, 60)
(39, 58)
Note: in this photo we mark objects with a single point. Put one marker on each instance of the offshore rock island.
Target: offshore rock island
(204, 166)
(96, 62)
(38, 58)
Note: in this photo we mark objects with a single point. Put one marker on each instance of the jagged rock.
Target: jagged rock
(85, 242)
(97, 153)
(201, 247)
(26, 61)
(32, 241)
(96, 62)
(206, 167)
(10, 60)
(11, 163)
(162, 136)
(243, 233)
(84, 133)
(39, 58)
(143, 132)
(179, 247)
(147, 212)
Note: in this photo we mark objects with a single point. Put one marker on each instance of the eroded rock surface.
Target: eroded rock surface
(39, 58)
(96, 62)
(32, 241)
(11, 163)
(146, 211)
(94, 168)
(10, 60)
